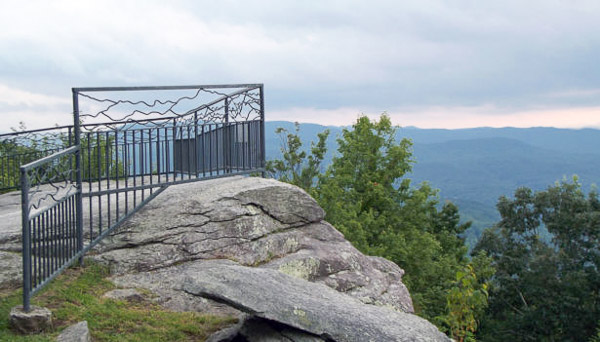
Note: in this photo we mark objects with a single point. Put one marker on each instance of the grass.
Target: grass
(76, 295)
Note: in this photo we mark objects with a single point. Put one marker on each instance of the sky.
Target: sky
(426, 63)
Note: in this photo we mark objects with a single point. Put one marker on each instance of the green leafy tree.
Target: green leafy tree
(297, 166)
(467, 299)
(368, 198)
(544, 290)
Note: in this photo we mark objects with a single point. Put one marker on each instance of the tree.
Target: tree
(544, 290)
(468, 299)
(368, 198)
(297, 167)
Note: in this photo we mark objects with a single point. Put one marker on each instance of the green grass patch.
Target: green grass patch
(76, 295)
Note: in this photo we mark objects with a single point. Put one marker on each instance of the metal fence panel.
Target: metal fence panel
(125, 147)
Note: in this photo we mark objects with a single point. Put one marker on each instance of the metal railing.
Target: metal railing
(125, 147)
(52, 234)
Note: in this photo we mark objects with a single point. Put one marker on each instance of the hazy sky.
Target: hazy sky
(427, 63)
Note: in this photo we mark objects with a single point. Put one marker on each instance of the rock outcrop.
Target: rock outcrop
(261, 247)
(10, 217)
(11, 270)
(314, 308)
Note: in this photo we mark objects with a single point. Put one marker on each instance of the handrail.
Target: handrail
(46, 159)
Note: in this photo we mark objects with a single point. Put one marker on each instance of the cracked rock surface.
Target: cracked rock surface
(262, 229)
(11, 270)
(314, 308)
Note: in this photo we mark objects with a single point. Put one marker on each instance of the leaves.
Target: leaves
(298, 167)
(367, 196)
(467, 299)
(546, 252)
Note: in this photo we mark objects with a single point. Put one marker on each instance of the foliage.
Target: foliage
(98, 158)
(474, 167)
(76, 295)
(596, 337)
(368, 198)
(298, 167)
(467, 299)
(15, 152)
(544, 290)
(98, 155)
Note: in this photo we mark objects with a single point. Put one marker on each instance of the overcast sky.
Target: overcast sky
(427, 63)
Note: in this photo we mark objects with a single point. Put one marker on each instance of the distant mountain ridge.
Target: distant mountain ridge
(473, 167)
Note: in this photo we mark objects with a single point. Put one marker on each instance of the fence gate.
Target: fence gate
(125, 147)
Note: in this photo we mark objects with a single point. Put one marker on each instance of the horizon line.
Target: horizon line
(450, 129)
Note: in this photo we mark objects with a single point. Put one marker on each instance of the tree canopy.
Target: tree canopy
(367, 195)
(544, 289)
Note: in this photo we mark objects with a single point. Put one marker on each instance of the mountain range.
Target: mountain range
(474, 167)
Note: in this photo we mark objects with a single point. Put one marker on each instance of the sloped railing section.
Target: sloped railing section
(125, 147)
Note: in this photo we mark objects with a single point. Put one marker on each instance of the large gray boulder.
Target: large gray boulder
(261, 250)
(314, 308)
(255, 222)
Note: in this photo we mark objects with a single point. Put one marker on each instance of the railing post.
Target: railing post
(196, 152)
(226, 142)
(78, 197)
(262, 129)
(26, 240)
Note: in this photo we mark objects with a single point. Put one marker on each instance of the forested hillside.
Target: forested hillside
(474, 167)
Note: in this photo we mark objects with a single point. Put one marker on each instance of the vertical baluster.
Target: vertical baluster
(142, 160)
(196, 155)
(175, 166)
(34, 251)
(203, 151)
(126, 167)
(45, 245)
(99, 177)
(167, 154)
(53, 225)
(107, 170)
(216, 146)
(134, 167)
(116, 172)
(150, 158)
(159, 155)
(61, 235)
(189, 152)
(210, 151)
(181, 152)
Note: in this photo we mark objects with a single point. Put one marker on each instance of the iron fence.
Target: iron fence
(125, 147)
(51, 236)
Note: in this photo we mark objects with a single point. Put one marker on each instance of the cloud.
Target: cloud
(17, 97)
(330, 55)
(36, 110)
